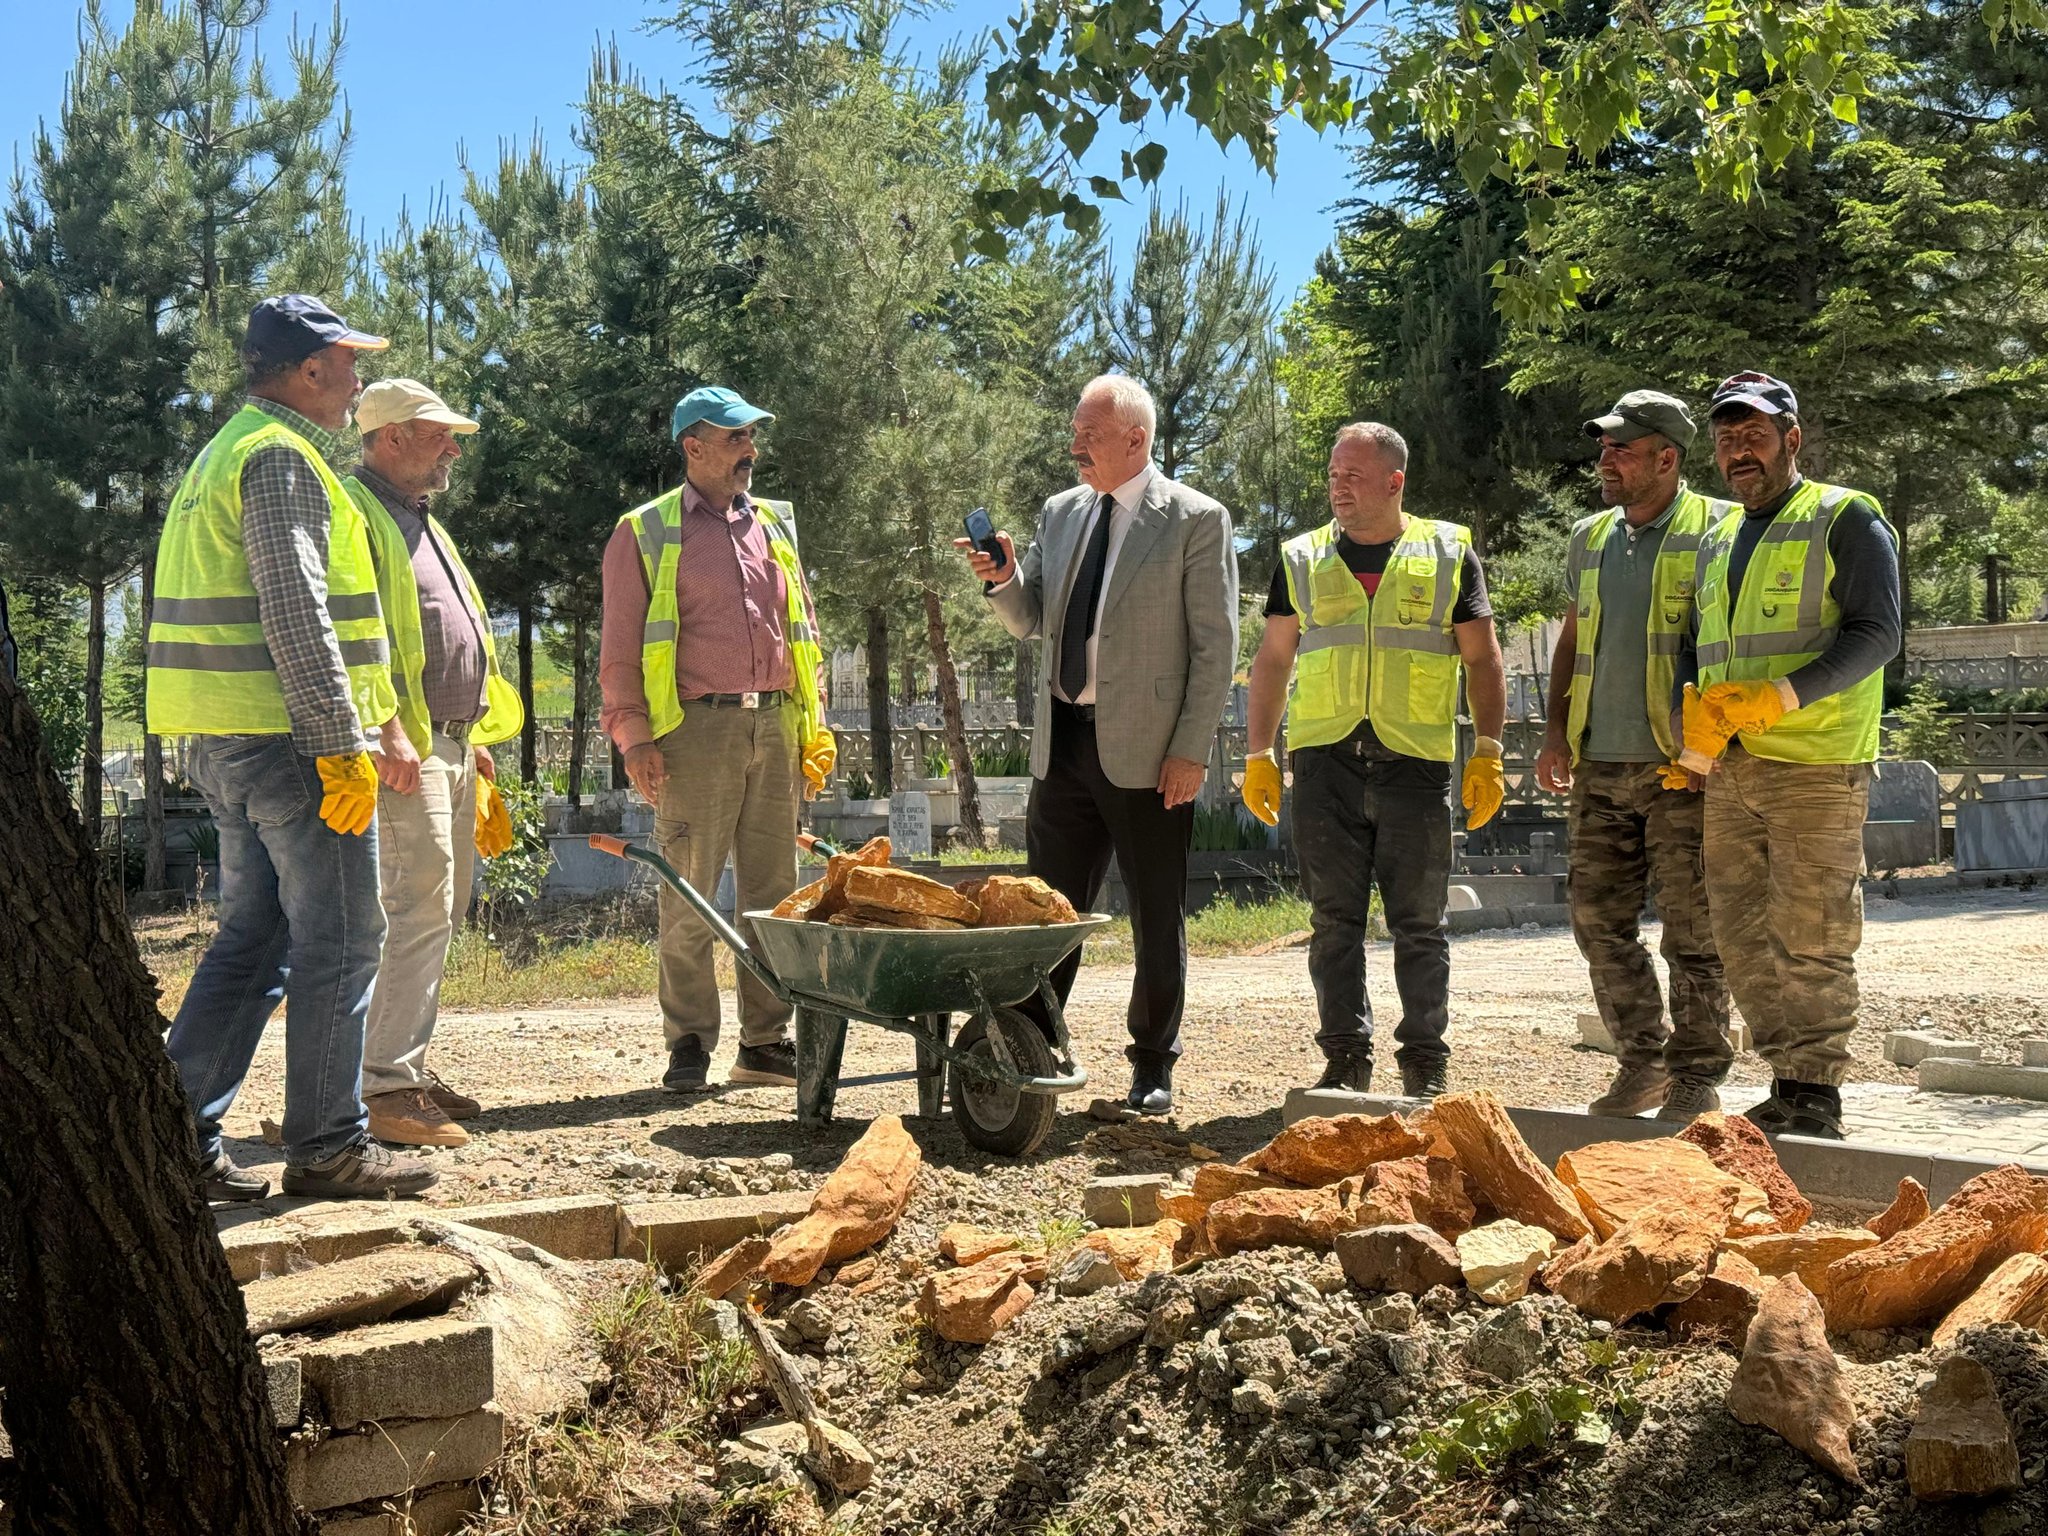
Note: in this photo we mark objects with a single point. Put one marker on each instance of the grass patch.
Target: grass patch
(1226, 927)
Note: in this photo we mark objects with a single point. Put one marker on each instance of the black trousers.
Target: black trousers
(1364, 816)
(1076, 820)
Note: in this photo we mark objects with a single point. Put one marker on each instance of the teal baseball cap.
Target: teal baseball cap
(720, 407)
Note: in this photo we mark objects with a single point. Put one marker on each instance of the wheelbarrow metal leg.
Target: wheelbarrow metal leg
(820, 1043)
(932, 1031)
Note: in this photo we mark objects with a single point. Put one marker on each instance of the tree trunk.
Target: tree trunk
(154, 878)
(129, 1387)
(579, 713)
(956, 720)
(529, 733)
(89, 783)
(1026, 682)
(881, 718)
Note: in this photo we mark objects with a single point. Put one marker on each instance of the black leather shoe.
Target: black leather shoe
(1151, 1091)
(1427, 1078)
(1351, 1070)
(688, 1065)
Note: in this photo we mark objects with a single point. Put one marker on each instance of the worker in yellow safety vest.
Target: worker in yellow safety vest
(1798, 611)
(1376, 616)
(267, 644)
(1630, 572)
(710, 665)
(438, 806)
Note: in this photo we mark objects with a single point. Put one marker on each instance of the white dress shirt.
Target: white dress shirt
(1127, 499)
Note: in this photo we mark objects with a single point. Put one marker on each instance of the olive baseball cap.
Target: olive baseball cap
(1755, 392)
(1641, 412)
(719, 407)
(388, 402)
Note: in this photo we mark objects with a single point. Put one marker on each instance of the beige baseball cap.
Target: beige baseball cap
(388, 402)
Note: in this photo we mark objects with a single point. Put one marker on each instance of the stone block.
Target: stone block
(1124, 1199)
(2034, 1053)
(283, 1389)
(1942, 1074)
(441, 1511)
(1462, 898)
(1910, 1047)
(429, 1368)
(280, 1244)
(1593, 1031)
(670, 1233)
(568, 1226)
(383, 1460)
(365, 1289)
(2004, 832)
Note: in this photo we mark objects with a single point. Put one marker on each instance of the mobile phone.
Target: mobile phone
(982, 534)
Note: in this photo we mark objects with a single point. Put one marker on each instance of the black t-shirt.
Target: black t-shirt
(1368, 562)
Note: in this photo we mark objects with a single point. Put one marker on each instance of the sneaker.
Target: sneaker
(1351, 1070)
(1636, 1087)
(1427, 1078)
(367, 1170)
(773, 1064)
(688, 1066)
(410, 1117)
(1687, 1100)
(456, 1106)
(224, 1183)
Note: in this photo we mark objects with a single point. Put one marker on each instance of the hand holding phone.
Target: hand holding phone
(990, 553)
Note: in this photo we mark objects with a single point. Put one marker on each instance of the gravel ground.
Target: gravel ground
(567, 1087)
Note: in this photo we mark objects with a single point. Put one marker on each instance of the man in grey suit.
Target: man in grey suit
(1132, 584)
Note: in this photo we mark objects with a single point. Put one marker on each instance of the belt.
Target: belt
(1082, 712)
(455, 730)
(769, 699)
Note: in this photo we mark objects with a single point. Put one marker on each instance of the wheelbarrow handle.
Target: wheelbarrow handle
(742, 951)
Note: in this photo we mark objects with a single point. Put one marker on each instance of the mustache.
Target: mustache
(744, 464)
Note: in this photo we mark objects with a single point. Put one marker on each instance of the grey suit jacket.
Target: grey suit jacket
(1168, 639)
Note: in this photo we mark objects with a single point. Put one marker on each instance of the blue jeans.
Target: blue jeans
(299, 903)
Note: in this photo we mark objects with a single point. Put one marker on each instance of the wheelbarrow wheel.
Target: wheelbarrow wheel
(993, 1115)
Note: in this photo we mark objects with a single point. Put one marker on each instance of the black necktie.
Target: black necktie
(1079, 623)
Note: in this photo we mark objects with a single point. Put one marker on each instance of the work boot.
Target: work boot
(410, 1118)
(224, 1183)
(366, 1170)
(1636, 1087)
(1349, 1070)
(456, 1106)
(688, 1066)
(1774, 1113)
(773, 1064)
(1427, 1078)
(1688, 1099)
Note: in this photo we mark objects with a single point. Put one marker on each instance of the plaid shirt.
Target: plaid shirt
(285, 521)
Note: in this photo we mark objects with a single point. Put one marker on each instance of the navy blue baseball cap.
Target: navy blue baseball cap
(1754, 392)
(291, 327)
(719, 407)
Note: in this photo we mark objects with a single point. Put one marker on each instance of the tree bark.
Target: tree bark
(955, 719)
(579, 712)
(128, 1384)
(89, 787)
(529, 733)
(881, 718)
(154, 877)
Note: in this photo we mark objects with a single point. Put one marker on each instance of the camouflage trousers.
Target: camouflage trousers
(1784, 845)
(1631, 837)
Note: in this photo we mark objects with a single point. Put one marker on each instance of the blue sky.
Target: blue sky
(425, 78)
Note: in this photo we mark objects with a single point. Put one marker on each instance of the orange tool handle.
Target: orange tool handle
(604, 842)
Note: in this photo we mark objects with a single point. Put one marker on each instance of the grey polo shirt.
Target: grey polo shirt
(1618, 720)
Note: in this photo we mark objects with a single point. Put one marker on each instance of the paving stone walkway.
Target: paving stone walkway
(1958, 1124)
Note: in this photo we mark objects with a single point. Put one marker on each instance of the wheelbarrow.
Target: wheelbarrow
(1006, 1072)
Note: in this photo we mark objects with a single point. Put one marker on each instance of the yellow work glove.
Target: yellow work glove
(493, 821)
(1675, 776)
(1706, 731)
(821, 753)
(1262, 787)
(1749, 707)
(350, 800)
(1485, 784)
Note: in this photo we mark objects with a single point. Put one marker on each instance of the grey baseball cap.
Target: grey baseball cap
(1641, 412)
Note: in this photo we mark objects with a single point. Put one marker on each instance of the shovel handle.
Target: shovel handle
(604, 842)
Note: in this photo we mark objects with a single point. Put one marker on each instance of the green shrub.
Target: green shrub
(1008, 763)
(1922, 732)
(1226, 829)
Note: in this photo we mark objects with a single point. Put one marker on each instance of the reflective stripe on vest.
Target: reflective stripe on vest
(1784, 617)
(1393, 657)
(1671, 599)
(210, 669)
(399, 590)
(657, 529)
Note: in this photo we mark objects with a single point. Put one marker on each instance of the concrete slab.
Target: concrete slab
(568, 1226)
(1910, 1047)
(383, 1460)
(440, 1511)
(429, 1368)
(2034, 1053)
(670, 1233)
(316, 1235)
(1945, 1075)
(283, 1389)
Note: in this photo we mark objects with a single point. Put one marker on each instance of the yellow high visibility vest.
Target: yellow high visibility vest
(1671, 599)
(1786, 616)
(657, 529)
(1394, 657)
(210, 669)
(400, 595)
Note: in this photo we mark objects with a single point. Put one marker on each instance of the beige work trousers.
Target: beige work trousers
(732, 791)
(1784, 854)
(426, 852)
